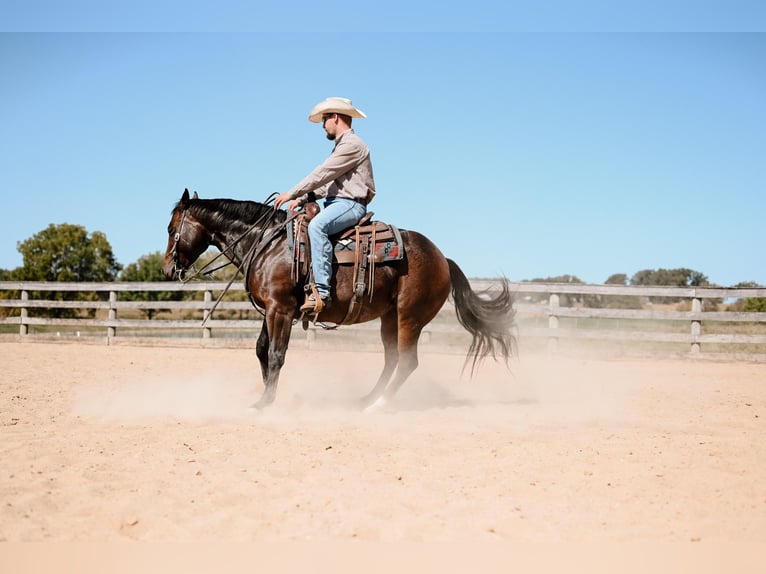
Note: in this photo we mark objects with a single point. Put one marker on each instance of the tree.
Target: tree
(67, 253)
(559, 279)
(218, 268)
(148, 268)
(755, 305)
(617, 279)
(751, 304)
(620, 301)
(680, 277)
(566, 299)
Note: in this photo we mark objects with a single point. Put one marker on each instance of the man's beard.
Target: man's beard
(330, 137)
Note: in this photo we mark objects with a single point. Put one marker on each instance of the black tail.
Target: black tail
(489, 319)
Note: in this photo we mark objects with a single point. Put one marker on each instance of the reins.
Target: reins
(204, 270)
(259, 244)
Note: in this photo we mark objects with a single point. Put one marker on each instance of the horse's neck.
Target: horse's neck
(226, 242)
(235, 237)
(235, 242)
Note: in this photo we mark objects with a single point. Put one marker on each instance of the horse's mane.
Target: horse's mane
(227, 211)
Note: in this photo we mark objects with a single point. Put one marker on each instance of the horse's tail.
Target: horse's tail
(488, 318)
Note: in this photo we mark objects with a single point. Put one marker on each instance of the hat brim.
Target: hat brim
(334, 108)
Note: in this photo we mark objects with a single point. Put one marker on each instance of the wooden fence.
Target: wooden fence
(553, 315)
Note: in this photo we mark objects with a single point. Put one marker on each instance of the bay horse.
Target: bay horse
(407, 294)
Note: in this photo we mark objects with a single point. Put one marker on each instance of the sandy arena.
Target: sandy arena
(158, 444)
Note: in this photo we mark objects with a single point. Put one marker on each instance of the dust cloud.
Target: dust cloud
(326, 387)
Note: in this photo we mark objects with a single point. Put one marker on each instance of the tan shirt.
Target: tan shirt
(346, 173)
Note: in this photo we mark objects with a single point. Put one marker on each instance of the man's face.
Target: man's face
(330, 125)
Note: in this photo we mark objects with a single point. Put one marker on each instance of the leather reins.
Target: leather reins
(252, 254)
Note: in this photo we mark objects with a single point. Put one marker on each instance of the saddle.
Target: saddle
(366, 245)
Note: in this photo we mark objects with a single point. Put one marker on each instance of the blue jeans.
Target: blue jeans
(338, 214)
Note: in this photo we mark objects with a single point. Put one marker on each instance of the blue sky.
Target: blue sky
(537, 149)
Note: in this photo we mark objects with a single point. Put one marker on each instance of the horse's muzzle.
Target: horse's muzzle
(172, 270)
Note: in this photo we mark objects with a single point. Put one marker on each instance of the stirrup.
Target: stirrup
(314, 303)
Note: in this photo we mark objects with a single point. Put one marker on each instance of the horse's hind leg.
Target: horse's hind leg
(408, 358)
(389, 335)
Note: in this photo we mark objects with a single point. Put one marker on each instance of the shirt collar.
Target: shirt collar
(340, 137)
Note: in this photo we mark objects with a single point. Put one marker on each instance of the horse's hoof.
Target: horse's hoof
(375, 406)
(261, 404)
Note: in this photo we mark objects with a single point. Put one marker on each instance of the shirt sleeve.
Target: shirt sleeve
(345, 157)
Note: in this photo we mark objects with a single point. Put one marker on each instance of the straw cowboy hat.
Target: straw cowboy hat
(334, 106)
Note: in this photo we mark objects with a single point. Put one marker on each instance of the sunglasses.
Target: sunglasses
(326, 117)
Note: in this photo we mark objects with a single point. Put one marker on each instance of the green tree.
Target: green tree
(617, 279)
(566, 300)
(620, 301)
(69, 253)
(680, 277)
(8, 275)
(218, 268)
(148, 268)
(750, 304)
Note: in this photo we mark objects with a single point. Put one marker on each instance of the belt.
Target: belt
(355, 200)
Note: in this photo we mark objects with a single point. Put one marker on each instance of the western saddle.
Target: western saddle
(364, 246)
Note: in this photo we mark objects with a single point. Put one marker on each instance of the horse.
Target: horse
(406, 294)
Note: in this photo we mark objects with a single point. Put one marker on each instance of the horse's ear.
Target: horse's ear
(195, 196)
(185, 197)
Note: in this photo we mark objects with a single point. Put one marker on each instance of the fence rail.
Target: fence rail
(551, 313)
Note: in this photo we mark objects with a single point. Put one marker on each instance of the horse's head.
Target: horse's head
(187, 239)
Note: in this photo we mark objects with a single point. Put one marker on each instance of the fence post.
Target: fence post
(206, 332)
(553, 322)
(23, 326)
(696, 326)
(111, 330)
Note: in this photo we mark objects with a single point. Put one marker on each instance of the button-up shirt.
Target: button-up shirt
(346, 173)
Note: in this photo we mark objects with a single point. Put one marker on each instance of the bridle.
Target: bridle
(180, 271)
(265, 237)
(177, 268)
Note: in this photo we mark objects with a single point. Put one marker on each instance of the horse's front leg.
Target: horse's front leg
(262, 351)
(273, 347)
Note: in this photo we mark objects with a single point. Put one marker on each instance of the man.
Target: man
(344, 179)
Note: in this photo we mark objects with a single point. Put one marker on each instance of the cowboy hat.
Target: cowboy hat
(334, 106)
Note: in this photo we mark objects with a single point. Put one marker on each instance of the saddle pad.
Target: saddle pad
(388, 244)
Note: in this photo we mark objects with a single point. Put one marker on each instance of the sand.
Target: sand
(160, 444)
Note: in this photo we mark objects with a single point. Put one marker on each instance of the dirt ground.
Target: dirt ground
(109, 443)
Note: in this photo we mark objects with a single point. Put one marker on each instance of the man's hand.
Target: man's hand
(282, 198)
